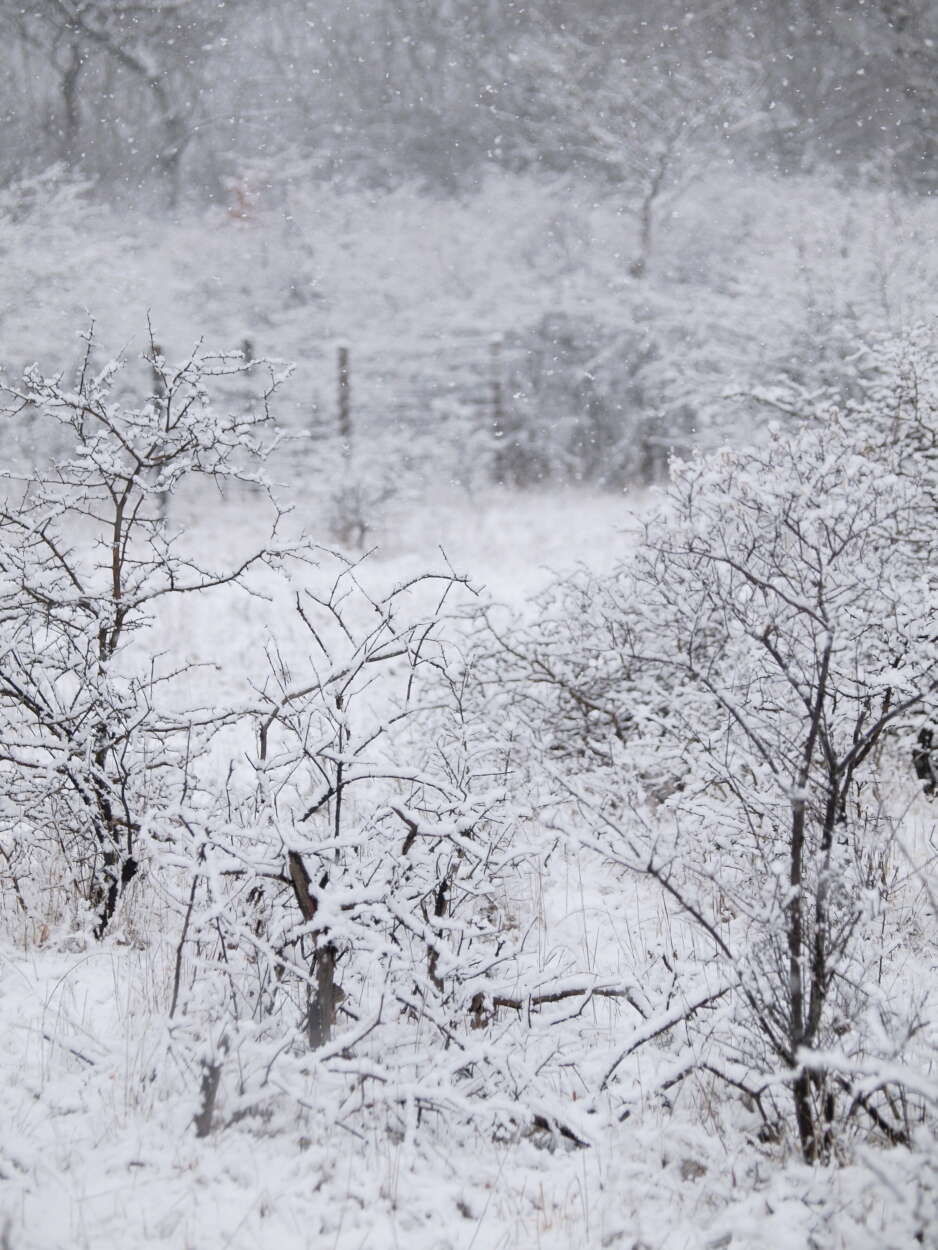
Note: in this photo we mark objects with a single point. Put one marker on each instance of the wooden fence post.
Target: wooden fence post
(345, 402)
(498, 392)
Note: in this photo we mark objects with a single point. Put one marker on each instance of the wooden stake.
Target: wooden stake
(345, 402)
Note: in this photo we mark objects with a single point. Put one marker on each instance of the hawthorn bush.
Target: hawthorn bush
(717, 708)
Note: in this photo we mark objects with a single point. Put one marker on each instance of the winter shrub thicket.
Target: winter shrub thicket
(719, 722)
(336, 849)
(726, 714)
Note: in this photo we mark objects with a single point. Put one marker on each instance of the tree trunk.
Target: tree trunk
(323, 1001)
(70, 113)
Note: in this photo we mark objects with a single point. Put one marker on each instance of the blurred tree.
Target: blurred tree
(639, 106)
(120, 83)
(385, 91)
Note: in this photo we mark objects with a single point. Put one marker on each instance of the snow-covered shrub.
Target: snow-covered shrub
(91, 748)
(592, 401)
(347, 894)
(716, 709)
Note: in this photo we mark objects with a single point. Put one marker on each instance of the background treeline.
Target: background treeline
(178, 97)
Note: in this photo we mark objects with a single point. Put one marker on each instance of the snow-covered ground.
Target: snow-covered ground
(92, 1156)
